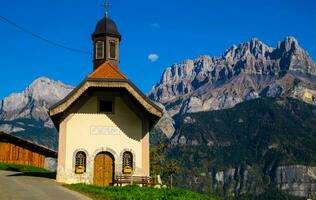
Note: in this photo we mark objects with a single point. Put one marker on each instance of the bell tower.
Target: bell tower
(106, 41)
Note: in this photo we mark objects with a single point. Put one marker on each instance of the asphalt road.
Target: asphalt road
(17, 186)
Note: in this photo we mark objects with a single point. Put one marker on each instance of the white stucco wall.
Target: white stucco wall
(75, 135)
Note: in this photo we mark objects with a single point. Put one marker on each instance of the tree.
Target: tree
(170, 168)
(160, 164)
(157, 157)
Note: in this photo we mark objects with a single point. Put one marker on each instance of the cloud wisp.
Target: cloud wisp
(153, 57)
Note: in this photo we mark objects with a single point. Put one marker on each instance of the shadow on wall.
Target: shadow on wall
(125, 116)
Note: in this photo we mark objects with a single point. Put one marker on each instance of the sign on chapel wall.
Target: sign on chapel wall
(104, 130)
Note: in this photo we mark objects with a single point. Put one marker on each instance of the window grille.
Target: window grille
(127, 162)
(80, 165)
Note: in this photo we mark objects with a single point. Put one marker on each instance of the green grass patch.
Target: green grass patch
(26, 170)
(135, 192)
(22, 168)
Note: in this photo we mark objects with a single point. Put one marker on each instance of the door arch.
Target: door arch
(103, 169)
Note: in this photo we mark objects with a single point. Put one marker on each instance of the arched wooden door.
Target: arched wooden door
(103, 169)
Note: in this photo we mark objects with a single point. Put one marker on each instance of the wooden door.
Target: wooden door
(103, 170)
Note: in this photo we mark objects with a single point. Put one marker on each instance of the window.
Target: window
(106, 106)
(80, 165)
(99, 50)
(112, 50)
(127, 162)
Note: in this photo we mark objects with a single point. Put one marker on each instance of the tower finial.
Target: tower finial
(107, 6)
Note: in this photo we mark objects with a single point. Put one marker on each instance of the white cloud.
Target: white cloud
(154, 25)
(153, 57)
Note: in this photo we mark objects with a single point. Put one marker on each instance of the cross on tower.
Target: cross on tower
(107, 6)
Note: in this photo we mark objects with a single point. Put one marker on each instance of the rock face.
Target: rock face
(166, 123)
(247, 71)
(298, 180)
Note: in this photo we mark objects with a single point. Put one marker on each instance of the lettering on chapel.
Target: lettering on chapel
(104, 130)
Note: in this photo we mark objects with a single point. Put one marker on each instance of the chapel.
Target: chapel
(104, 122)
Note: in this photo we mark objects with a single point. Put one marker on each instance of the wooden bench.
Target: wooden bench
(128, 179)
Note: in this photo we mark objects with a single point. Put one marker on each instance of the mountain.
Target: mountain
(257, 144)
(25, 114)
(242, 123)
(247, 71)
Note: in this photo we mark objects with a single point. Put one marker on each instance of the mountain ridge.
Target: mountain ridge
(253, 63)
(41, 92)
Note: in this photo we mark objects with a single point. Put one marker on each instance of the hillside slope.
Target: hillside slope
(248, 148)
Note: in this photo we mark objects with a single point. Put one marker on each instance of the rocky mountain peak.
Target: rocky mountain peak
(290, 43)
(34, 101)
(254, 47)
(48, 90)
(230, 54)
(244, 72)
(288, 48)
(294, 57)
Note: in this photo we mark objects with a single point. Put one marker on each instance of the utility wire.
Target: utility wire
(42, 38)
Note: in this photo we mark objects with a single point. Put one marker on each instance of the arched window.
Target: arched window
(80, 165)
(127, 162)
(99, 50)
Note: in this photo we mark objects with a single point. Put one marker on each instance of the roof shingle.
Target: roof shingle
(107, 71)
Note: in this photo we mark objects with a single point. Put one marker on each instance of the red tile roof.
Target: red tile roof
(107, 71)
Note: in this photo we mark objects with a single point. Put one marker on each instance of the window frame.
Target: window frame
(97, 50)
(115, 49)
(112, 99)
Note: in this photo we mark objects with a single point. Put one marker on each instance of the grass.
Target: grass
(21, 168)
(27, 170)
(135, 192)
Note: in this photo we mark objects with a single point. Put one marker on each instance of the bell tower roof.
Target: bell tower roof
(106, 27)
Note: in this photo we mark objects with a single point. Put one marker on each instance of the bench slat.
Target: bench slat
(134, 179)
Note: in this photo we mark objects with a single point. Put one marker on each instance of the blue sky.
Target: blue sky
(174, 30)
